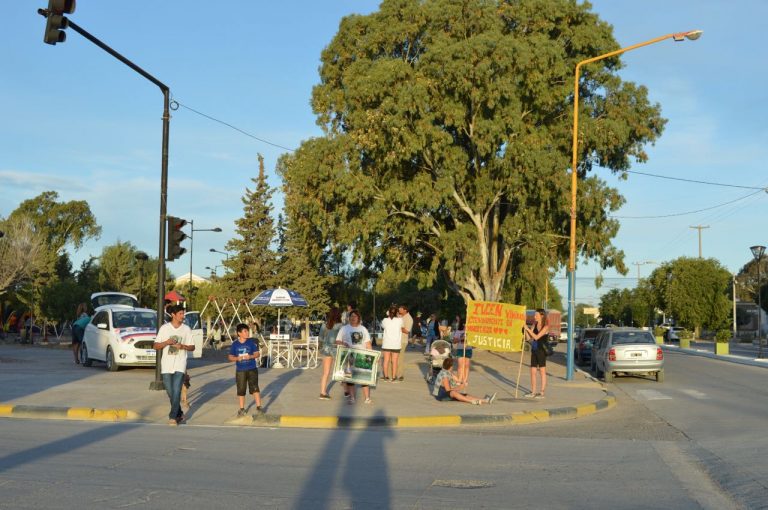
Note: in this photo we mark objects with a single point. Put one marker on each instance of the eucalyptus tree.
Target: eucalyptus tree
(447, 139)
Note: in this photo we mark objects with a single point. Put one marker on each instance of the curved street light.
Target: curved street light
(679, 36)
(192, 245)
(218, 251)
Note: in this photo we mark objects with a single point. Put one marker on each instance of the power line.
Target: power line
(760, 190)
(709, 183)
(177, 104)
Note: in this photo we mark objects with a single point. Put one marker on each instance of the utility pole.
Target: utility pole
(699, 228)
(638, 264)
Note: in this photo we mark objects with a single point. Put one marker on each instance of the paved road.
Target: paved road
(695, 441)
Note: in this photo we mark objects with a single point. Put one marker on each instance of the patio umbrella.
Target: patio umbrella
(174, 296)
(280, 298)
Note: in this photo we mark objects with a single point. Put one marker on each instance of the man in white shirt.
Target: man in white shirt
(174, 340)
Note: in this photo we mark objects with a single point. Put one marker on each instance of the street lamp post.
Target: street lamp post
(192, 231)
(757, 252)
(213, 269)
(222, 252)
(680, 36)
(141, 257)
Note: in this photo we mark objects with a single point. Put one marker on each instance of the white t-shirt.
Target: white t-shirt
(174, 359)
(354, 336)
(392, 333)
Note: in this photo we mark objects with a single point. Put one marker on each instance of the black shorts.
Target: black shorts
(249, 377)
(390, 350)
(538, 358)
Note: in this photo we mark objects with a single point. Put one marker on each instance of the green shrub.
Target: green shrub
(686, 334)
(723, 336)
(658, 331)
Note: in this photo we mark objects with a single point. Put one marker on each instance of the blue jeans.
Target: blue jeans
(172, 383)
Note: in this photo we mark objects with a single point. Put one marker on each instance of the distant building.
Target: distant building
(183, 280)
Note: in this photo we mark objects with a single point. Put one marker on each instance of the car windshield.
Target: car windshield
(632, 337)
(133, 319)
(591, 334)
(192, 319)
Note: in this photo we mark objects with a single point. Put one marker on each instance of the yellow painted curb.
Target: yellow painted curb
(6, 410)
(586, 409)
(428, 421)
(309, 422)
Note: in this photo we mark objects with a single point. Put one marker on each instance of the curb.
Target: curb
(740, 360)
(67, 413)
(335, 422)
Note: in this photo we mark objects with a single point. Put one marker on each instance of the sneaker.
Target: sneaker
(476, 402)
(259, 409)
(368, 401)
(351, 401)
(386, 379)
(530, 395)
(539, 395)
(241, 412)
(395, 380)
(491, 398)
(172, 423)
(400, 379)
(324, 396)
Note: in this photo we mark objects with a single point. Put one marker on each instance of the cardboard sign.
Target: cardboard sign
(495, 326)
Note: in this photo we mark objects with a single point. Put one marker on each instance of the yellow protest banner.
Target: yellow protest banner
(495, 326)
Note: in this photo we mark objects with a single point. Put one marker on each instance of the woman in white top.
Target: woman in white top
(391, 343)
(354, 334)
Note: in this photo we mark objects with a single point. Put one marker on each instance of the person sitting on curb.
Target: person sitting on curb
(448, 387)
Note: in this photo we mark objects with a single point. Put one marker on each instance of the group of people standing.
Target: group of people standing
(347, 330)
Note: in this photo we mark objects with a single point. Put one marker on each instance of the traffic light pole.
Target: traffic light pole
(157, 384)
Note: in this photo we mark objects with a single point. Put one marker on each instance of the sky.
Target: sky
(75, 120)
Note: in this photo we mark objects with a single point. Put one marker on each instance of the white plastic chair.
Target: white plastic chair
(304, 354)
(279, 351)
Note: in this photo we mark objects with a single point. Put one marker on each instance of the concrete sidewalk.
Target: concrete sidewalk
(40, 382)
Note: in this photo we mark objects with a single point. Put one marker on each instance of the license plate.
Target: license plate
(636, 354)
(150, 352)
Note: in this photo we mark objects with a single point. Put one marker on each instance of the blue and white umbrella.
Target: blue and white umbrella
(279, 297)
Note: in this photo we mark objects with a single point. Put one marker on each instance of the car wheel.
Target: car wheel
(608, 377)
(84, 359)
(660, 375)
(111, 365)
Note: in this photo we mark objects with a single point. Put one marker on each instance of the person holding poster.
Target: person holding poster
(536, 338)
(354, 334)
(463, 351)
(391, 343)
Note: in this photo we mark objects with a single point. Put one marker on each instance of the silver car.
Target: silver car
(627, 351)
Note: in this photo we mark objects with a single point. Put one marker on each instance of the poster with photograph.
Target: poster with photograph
(357, 366)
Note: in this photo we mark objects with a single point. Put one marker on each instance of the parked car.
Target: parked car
(120, 335)
(582, 351)
(673, 334)
(627, 351)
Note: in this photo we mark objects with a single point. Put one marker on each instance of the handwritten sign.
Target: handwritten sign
(495, 326)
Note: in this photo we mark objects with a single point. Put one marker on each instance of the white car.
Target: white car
(120, 335)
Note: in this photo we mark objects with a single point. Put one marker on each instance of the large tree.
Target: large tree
(253, 265)
(696, 292)
(22, 252)
(448, 137)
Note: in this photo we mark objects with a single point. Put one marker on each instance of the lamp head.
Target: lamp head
(217, 229)
(757, 251)
(691, 35)
(140, 255)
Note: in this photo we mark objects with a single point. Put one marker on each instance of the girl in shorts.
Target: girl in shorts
(448, 387)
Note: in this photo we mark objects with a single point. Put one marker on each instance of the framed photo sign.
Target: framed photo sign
(357, 366)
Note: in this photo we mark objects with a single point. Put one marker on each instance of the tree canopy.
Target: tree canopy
(448, 137)
(694, 291)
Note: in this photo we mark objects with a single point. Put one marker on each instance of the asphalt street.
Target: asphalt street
(695, 441)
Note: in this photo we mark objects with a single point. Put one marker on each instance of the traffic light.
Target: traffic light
(56, 22)
(175, 237)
